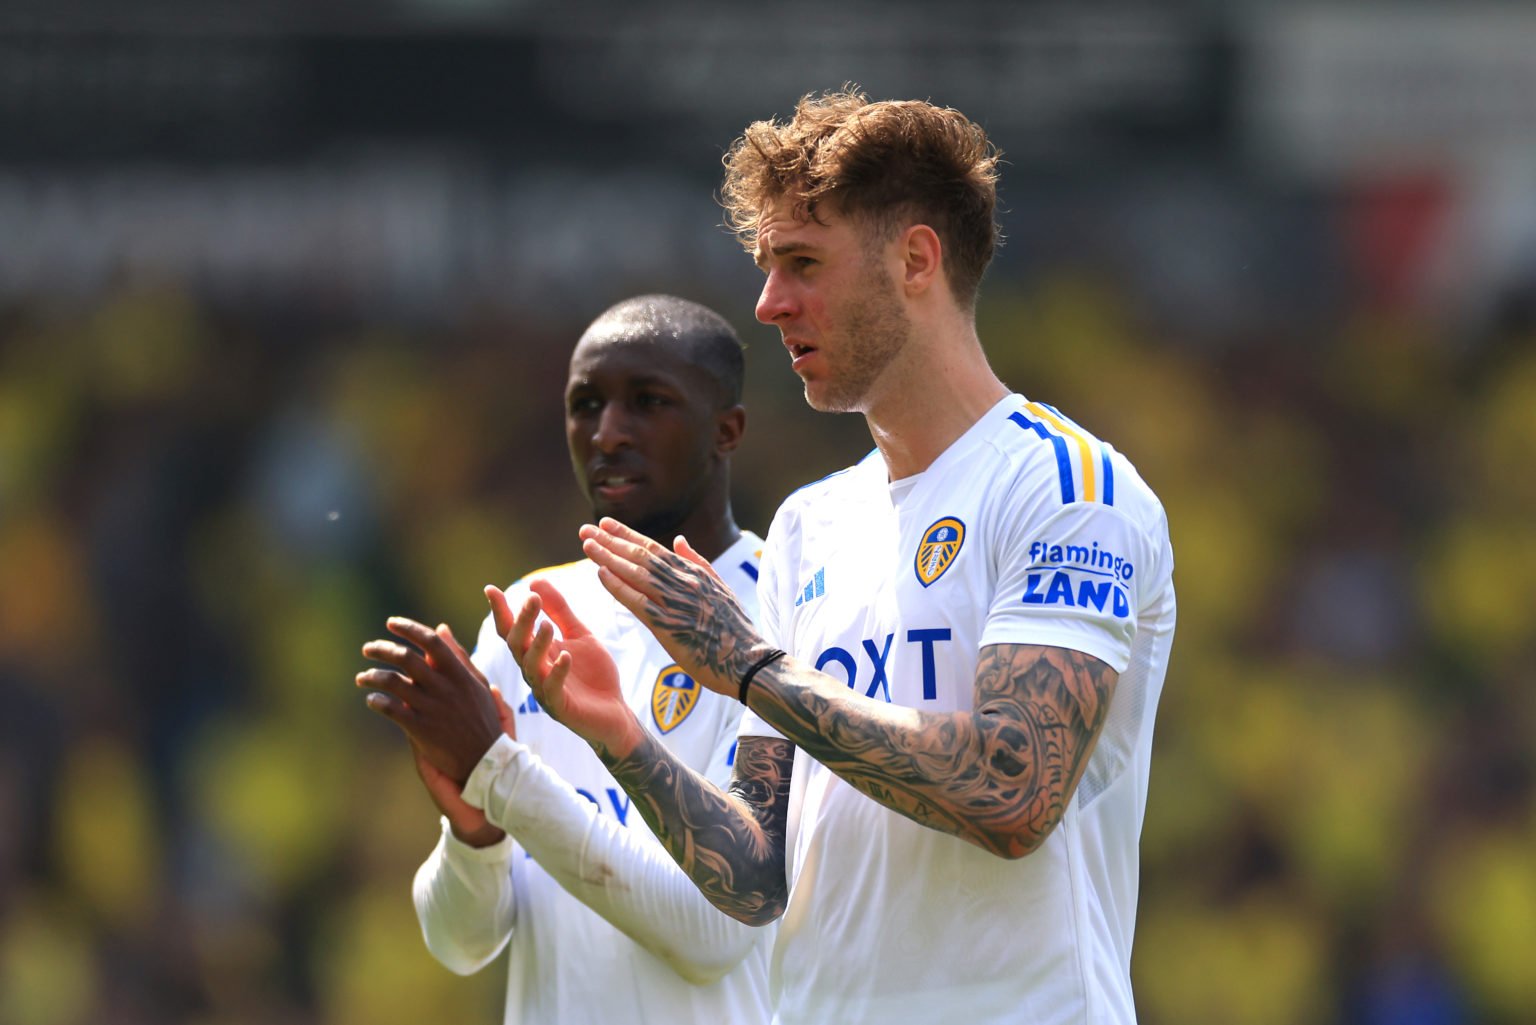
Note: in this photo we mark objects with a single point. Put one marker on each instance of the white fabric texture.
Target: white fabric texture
(601, 923)
(1027, 530)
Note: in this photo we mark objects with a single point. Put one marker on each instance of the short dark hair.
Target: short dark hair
(702, 336)
(890, 163)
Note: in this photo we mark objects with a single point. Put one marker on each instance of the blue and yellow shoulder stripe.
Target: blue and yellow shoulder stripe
(749, 566)
(544, 571)
(1082, 461)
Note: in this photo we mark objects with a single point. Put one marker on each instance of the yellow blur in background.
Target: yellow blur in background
(259, 391)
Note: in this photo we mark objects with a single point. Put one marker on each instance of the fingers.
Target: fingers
(386, 680)
(558, 609)
(621, 559)
(446, 634)
(558, 673)
(520, 634)
(407, 660)
(437, 651)
(501, 611)
(466, 661)
(533, 659)
(638, 562)
(440, 653)
(545, 675)
(681, 546)
(391, 708)
(613, 527)
(518, 629)
(622, 542)
(627, 596)
(548, 690)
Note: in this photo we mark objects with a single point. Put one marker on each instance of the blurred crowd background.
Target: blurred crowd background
(285, 304)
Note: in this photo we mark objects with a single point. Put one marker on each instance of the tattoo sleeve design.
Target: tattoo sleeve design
(998, 776)
(730, 844)
(706, 621)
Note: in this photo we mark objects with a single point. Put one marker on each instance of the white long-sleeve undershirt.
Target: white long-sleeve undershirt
(464, 896)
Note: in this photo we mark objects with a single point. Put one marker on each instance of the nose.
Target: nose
(612, 431)
(776, 302)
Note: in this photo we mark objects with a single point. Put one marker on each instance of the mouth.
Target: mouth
(614, 486)
(799, 354)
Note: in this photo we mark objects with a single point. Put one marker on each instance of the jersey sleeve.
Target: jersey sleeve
(626, 877)
(463, 895)
(1070, 580)
(769, 622)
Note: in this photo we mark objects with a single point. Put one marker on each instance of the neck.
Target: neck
(711, 527)
(928, 401)
(713, 544)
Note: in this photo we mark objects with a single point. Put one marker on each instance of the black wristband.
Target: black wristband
(761, 664)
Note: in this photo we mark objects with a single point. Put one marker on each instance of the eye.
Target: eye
(650, 400)
(580, 404)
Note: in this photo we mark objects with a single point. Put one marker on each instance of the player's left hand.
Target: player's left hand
(680, 597)
(436, 695)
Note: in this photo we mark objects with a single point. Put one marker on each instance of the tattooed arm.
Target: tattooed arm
(731, 844)
(998, 776)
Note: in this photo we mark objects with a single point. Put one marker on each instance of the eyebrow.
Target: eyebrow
(634, 381)
(761, 259)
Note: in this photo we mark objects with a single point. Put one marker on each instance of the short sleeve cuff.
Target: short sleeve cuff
(1111, 651)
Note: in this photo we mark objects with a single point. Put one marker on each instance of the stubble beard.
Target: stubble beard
(875, 329)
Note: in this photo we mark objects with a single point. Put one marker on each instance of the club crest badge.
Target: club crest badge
(941, 543)
(673, 697)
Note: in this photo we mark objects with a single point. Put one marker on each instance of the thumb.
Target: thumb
(504, 713)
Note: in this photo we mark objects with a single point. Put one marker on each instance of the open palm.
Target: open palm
(572, 676)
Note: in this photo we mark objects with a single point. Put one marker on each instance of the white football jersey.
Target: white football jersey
(1026, 530)
(567, 963)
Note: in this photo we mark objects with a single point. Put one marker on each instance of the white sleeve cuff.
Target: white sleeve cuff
(638, 888)
(456, 851)
(477, 789)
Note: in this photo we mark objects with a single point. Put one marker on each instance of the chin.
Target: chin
(646, 521)
(621, 513)
(825, 400)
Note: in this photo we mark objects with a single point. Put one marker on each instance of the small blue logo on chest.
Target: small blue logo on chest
(941, 543)
(814, 588)
(673, 697)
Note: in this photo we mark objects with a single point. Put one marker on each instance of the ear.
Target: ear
(922, 256)
(729, 425)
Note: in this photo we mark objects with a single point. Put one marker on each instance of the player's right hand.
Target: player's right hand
(573, 677)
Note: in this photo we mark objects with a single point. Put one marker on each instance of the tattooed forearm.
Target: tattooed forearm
(999, 776)
(730, 845)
